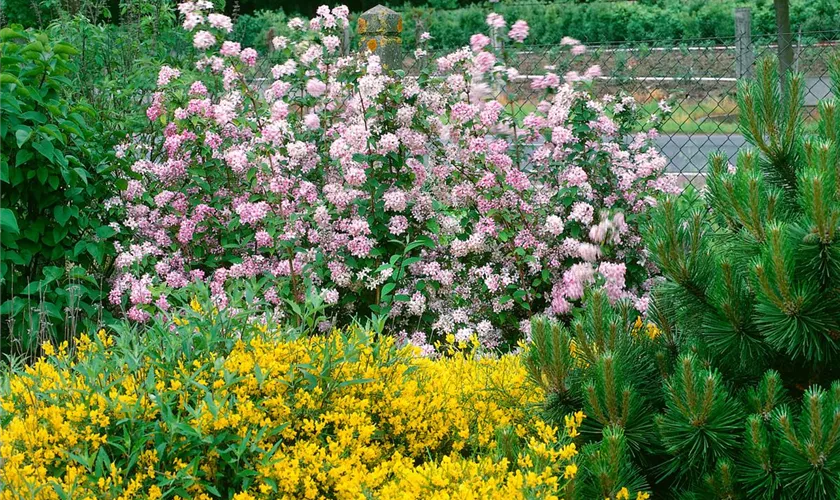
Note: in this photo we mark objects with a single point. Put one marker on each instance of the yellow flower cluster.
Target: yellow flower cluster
(338, 416)
(649, 329)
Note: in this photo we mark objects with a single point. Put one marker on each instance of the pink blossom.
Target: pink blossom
(221, 22)
(495, 21)
(156, 110)
(395, 200)
(249, 56)
(315, 88)
(296, 23)
(355, 176)
(360, 246)
(332, 42)
(263, 239)
(237, 159)
(311, 121)
(162, 303)
(554, 225)
(203, 40)
(484, 62)
(614, 275)
(192, 20)
(251, 213)
(582, 212)
(185, 233)
(330, 296)
(138, 315)
(479, 41)
(230, 49)
(166, 75)
(397, 225)
(519, 31)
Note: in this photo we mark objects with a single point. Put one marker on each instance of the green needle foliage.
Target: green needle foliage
(702, 422)
(810, 445)
(729, 389)
(753, 268)
(607, 468)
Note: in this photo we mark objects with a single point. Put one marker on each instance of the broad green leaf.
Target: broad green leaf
(63, 48)
(62, 214)
(8, 222)
(9, 34)
(34, 46)
(23, 135)
(105, 232)
(9, 78)
(45, 148)
(22, 156)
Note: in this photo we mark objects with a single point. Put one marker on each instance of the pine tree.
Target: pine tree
(551, 365)
(606, 468)
(809, 449)
(753, 267)
(702, 423)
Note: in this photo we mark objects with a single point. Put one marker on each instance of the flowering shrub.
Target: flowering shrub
(192, 414)
(414, 198)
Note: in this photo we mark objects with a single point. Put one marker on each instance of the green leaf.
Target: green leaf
(63, 48)
(9, 34)
(105, 232)
(35, 46)
(22, 156)
(9, 78)
(45, 148)
(63, 214)
(433, 226)
(35, 116)
(8, 222)
(12, 306)
(22, 136)
(32, 288)
(96, 251)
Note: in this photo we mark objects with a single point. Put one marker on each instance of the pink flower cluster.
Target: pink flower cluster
(411, 197)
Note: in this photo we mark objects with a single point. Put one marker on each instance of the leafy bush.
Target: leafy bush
(54, 172)
(223, 406)
(117, 67)
(412, 198)
(620, 21)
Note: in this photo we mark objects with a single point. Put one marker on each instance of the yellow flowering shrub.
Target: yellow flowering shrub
(335, 416)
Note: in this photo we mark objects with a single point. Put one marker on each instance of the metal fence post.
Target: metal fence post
(744, 56)
(380, 31)
(785, 37)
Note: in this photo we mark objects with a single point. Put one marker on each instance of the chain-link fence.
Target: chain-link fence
(696, 79)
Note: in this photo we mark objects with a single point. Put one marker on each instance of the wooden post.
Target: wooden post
(785, 37)
(744, 56)
(380, 31)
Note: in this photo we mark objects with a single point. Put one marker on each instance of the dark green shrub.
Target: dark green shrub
(54, 172)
